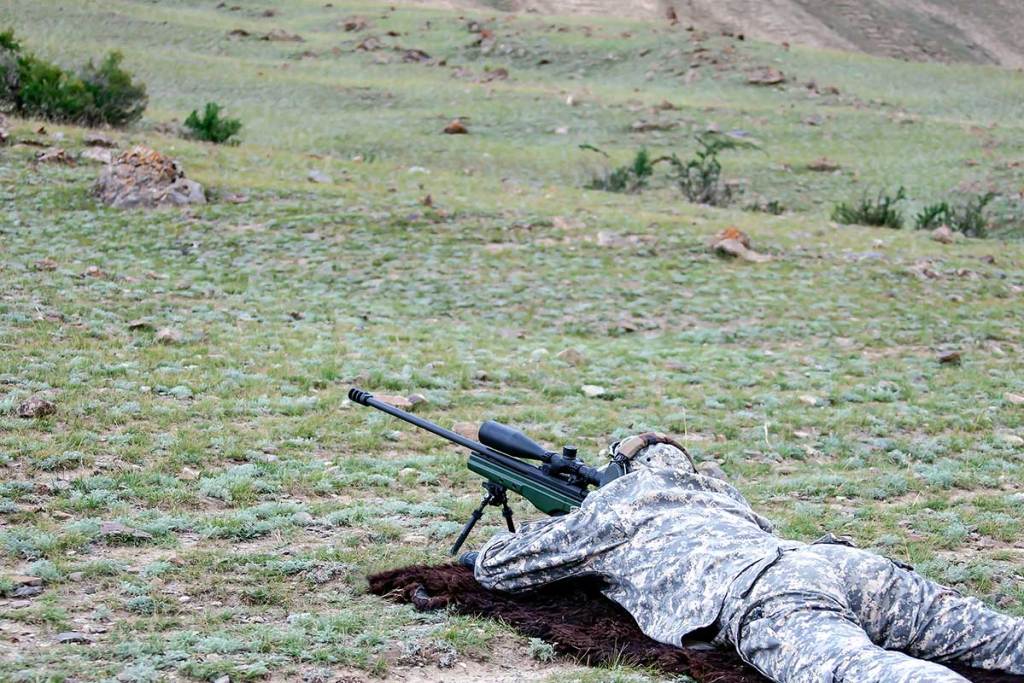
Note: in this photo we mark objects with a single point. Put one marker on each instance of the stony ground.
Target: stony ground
(204, 502)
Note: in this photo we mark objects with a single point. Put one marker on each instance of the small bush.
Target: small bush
(968, 218)
(33, 87)
(700, 178)
(116, 99)
(211, 127)
(881, 211)
(631, 178)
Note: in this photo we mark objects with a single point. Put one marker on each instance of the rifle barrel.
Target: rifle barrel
(366, 398)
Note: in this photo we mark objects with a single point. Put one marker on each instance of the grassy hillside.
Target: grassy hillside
(814, 379)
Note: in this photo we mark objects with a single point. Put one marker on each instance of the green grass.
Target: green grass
(812, 379)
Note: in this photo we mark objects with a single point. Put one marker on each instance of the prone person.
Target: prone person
(684, 552)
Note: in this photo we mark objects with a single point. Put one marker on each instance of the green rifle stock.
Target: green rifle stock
(554, 487)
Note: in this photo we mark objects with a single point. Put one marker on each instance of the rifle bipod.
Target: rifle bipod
(495, 495)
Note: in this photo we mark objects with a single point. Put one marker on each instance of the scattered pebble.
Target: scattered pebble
(470, 430)
(73, 637)
(320, 178)
(711, 468)
(36, 407)
(400, 402)
(944, 235)
(1015, 399)
(456, 127)
(950, 358)
(592, 390)
(169, 335)
(571, 356)
(735, 242)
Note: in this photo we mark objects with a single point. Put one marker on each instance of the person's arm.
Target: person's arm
(549, 549)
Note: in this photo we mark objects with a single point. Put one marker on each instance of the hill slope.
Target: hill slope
(990, 32)
(349, 241)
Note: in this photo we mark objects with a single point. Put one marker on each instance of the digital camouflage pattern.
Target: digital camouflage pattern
(835, 613)
(682, 551)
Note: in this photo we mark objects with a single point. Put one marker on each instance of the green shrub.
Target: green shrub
(211, 127)
(33, 87)
(116, 99)
(631, 178)
(881, 211)
(700, 178)
(968, 218)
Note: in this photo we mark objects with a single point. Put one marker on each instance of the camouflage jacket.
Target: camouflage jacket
(668, 542)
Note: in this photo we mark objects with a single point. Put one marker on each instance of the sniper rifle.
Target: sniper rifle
(556, 486)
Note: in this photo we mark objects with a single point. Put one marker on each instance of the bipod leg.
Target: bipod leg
(499, 494)
(490, 498)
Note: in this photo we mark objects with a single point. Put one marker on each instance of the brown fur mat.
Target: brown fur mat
(579, 622)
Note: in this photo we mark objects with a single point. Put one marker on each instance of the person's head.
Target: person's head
(651, 450)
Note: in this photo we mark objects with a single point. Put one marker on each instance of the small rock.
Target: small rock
(98, 154)
(766, 76)
(1015, 399)
(45, 264)
(470, 430)
(416, 399)
(142, 177)
(168, 336)
(408, 472)
(456, 127)
(571, 356)
(735, 242)
(823, 165)
(20, 604)
(76, 576)
(36, 407)
(223, 679)
(711, 468)
(55, 155)
(118, 530)
(807, 399)
(592, 390)
(98, 140)
(302, 518)
(140, 325)
(188, 474)
(1012, 439)
(279, 35)
(24, 580)
(73, 637)
(27, 591)
(950, 358)
(400, 402)
(320, 178)
(538, 355)
(943, 235)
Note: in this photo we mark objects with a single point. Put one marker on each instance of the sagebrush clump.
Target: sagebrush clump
(881, 211)
(967, 218)
(103, 94)
(700, 178)
(211, 126)
(631, 178)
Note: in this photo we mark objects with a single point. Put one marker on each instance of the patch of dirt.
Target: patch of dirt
(991, 32)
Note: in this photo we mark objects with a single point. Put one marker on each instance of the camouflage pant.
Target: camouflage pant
(831, 613)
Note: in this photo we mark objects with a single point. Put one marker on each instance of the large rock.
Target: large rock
(142, 177)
